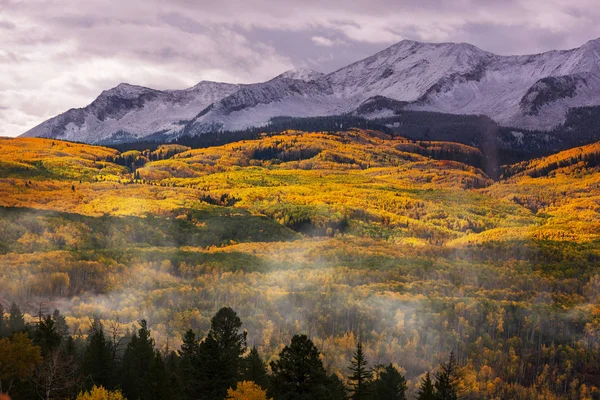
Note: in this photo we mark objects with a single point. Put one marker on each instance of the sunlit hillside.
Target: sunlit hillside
(409, 245)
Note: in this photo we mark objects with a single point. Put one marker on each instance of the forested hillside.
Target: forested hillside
(357, 239)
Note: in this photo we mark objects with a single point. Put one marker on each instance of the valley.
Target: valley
(408, 244)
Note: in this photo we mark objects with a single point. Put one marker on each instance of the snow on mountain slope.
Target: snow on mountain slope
(133, 111)
(302, 74)
(532, 91)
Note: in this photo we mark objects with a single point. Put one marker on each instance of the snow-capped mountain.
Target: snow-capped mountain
(533, 91)
(128, 112)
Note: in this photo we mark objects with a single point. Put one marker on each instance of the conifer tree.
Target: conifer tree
(446, 380)
(97, 357)
(427, 390)
(2, 322)
(142, 374)
(16, 322)
(361, 375)
(390, 384)
(299, 373)
(188, 366)
(220, 355)
(255, 369)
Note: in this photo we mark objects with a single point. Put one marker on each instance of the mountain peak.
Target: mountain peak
(126, 90)
(302, 74)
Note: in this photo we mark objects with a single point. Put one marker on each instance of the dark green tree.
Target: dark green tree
(446, 380)
(299, 373)
(390, 384)
(337, 390)
(97, 357)
(143, 370)
(220, 355)
(16, 322)
(188, 366)
(61, 323)
(46, 335)
(174, 381)
(2, 322)
(361, 375)
(255, 369)
(427, 390)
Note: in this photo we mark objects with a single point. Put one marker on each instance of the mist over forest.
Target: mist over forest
(180, 272)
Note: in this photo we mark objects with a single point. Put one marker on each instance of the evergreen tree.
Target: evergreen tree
(361, 375)
(173, 378)
(97, 357)
(220, 355)
(255, 369)
(299, 373)
(446, 380)
(337, 390)
(46, 335)
(61, 323)
(2, 322)
(390, 384)
(16, 322)
(142, 374)
(188, 366)
(427, 390)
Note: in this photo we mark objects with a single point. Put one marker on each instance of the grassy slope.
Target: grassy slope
(415, 250)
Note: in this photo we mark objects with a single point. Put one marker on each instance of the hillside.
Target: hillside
(408, 242)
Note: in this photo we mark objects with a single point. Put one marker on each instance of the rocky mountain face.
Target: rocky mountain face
(530, 92)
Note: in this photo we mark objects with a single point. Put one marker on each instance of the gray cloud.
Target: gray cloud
(58, 54)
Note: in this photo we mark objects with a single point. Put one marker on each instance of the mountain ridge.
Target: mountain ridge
(525, 91)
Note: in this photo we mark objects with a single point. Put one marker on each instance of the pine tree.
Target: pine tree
(61, 323)
(16, 322)
(426, 391)
(361, 375)
(390, 384)
(446, 380)
(299, 373)
(188, 366)
(220, 355)
(46, 335)
(142, 374)
(2, 322)
(337, 390)
(255, 369)
(97, 357)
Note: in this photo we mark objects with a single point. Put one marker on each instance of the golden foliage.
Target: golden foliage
(247, 390)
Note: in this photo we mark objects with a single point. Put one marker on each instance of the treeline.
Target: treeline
(42, 360)
(134, 158)
(588, 160)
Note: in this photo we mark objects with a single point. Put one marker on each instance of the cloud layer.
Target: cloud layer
(59, 54)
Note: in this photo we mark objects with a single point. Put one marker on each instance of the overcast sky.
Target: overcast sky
(60, 54)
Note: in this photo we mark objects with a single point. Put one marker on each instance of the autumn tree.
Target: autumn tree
(18, 359)
(361, 375)
(100, 393)
(389, 384)
(247, 390)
